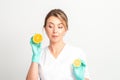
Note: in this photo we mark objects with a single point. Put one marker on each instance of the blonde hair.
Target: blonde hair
(59, 14)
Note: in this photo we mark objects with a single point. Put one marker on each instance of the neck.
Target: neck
(56, 48)
(56, 45)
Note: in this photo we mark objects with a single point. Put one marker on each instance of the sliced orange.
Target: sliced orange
(37, 38)
(77, 62)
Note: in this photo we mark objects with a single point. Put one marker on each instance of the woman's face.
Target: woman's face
(55, 29)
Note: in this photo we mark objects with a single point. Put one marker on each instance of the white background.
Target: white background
(94, 25)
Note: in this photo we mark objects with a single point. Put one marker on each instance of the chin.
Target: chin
(55, 41)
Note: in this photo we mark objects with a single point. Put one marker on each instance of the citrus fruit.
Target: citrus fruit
(77, 62)
(37, 38)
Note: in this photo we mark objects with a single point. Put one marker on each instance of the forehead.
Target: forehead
(53, 19)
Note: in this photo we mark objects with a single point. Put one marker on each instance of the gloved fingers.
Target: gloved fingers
(74, 67)
(34, 44)
(83, 63)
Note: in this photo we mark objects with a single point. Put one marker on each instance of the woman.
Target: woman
(55, 62)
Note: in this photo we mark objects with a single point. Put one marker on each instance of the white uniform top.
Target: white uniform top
(59, 68)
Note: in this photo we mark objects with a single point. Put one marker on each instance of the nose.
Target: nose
(55, 30)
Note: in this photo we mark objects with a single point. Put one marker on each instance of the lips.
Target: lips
(54, 35)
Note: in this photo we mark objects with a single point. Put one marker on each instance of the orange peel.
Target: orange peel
(77, 62)
(37, 38)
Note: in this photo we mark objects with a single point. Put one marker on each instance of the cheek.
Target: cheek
(47, 31)
(63, 33)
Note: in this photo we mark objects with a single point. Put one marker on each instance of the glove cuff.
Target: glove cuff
(36, 58)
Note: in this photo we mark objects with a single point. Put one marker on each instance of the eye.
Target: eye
(60, 27)
(50, 26)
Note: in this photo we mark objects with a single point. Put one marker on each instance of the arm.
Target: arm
(33, 72)
(87, 79)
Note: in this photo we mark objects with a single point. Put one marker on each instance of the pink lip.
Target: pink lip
(54, 36)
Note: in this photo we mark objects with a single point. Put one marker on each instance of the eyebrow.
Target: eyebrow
(50, 22)
(53, 23)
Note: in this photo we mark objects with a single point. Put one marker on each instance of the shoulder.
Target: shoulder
(74, 48)
(76, 51)
(44, 49)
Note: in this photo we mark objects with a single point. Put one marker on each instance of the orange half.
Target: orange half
(77, 63)
(37, 38)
